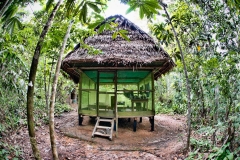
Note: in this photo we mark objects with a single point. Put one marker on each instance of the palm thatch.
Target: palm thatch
(140, 52)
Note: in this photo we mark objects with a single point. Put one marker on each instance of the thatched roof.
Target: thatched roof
(140, 52)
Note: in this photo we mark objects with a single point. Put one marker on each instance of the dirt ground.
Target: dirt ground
(75, 142)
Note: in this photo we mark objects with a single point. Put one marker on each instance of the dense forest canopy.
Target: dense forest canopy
(202, 37)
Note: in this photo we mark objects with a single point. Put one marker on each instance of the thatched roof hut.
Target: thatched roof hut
(140, 52)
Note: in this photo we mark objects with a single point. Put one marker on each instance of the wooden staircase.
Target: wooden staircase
(105, 131)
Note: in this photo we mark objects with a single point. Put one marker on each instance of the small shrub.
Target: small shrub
(61, 108)
(9, 152)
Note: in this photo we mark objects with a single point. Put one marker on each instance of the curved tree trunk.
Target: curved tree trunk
(186, 76)
(31, 82)
(53, 95)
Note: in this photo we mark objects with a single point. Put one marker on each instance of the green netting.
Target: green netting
(138, 84)
(123, 76)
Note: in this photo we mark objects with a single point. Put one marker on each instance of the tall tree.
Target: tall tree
(53, 95)
(31, 82)
(186, 75)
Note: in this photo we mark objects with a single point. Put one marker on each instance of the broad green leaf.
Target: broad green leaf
(114, 24)
(153, 4)
(123, 31)
(132, 8)
(78, 8)
(94, 25)
(10, 12)
(114, 36)
(70, 7)
(101, 28)
(83, 14)
(124, 36)
(11, 24)
(94, 7)
(49, 4)
(108, 26)
(230, 156)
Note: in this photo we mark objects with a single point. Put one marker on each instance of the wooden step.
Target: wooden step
(105, 120)
(100, 134)
(105, 131)
(103, 127)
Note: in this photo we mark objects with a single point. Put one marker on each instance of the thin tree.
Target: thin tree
(186, 75)
(31, 82)
(53, 95)
(82, 8)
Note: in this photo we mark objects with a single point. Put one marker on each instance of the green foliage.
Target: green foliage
(163, 109)
(61, 108)
(82, 9)
(201, 145)
(168, 94)
(217, 153)
(208, 32)
(121, 33)
(9, 152)
(222, 153)
(146, 7)
(163, 33)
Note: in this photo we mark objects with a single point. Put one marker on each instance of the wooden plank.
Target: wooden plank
(106, 120)
(94, 130)
(115, 68)
(153, 94)
(101, 134)
(132, 114)
(80, 93)
(103, 127)
(106, 114)
(88, 112)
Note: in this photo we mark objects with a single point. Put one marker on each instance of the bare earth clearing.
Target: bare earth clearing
(75, 142)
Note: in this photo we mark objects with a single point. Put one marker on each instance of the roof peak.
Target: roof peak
(122, 22)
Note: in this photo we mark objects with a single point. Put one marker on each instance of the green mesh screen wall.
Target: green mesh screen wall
(123, 76)
(88, 93)
(134, 91)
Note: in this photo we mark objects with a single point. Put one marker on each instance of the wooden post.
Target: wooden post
(115, 94)
(153, 93)
(151, 120)
(79, 93)
(97, 93)
(140, 120)
(134, 125)
(80, 119)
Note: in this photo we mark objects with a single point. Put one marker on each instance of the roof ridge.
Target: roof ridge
(132, 26)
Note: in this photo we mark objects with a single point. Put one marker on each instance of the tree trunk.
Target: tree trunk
(31, 82)
(203, 114)
(228, 109)
(215, 114)
(53, 94)
(186, 76)
(45, 84)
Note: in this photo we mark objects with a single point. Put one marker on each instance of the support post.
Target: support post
(140, 120)
(151, 119)
(80, 119)
(134, 125)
